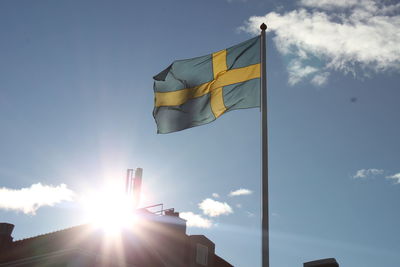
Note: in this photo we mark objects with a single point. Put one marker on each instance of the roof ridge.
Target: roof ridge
(49, 233)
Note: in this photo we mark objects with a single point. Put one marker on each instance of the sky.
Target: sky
(76, 101)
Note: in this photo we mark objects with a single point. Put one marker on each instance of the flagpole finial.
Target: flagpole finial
(263, 27)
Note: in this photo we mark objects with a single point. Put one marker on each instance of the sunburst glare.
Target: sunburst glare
(109, 209)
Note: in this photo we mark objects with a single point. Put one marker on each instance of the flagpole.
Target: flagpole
(264, 154)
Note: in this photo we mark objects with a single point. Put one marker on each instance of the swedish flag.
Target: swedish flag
(196, 91)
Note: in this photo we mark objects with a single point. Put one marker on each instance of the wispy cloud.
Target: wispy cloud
(367, 173)
(321, 36)
(320, 78)
(30, 199)
(215, 208)
(395, 177)
(240, 192)
(195, 220)
(231, 1)
(298, 71)
(215, 195)
(329, 4)
(250, 214)
(364, 173)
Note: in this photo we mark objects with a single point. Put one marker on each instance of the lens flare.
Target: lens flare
(110, 210)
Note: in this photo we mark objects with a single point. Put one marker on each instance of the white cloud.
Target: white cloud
(215, 195)
(30, 199)
(215, 208)
(359, 36)
(239, 206)
(240, 192)
(364, 173)
(395, 177)
(195, 220)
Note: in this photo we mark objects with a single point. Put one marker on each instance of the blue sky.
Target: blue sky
(76, 104)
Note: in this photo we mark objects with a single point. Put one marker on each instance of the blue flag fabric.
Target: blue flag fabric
(196, 91)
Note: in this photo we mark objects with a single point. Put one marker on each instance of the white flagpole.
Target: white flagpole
(264, 154)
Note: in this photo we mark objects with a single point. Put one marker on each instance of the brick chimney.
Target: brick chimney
(5, 235)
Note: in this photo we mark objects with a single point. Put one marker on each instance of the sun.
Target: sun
(109, 209)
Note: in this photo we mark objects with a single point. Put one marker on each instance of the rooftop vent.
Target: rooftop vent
(330, 262)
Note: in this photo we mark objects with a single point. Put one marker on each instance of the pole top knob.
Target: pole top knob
(263, 27)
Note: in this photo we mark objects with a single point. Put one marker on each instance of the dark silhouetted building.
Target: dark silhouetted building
(154, 240)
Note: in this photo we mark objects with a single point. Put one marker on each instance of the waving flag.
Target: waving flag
(196, 91)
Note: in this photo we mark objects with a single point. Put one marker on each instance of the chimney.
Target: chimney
(137, 186)
(5, 235)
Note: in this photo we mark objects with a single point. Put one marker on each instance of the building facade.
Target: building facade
(154, 240)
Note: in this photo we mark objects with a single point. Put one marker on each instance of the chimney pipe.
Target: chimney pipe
(128, 184)
(5, 235)
(137, 186)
